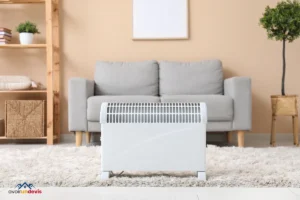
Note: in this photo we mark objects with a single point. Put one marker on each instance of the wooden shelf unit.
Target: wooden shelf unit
(21, 46)
(29, 138)
(52, 48)
(21, 1)
(23, 91)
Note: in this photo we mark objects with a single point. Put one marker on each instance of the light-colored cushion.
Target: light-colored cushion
(219, 107)
(191, 78)
(14, 83)
(94, 103)
(126, 78)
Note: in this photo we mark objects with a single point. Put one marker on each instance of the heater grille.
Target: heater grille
(153, 113)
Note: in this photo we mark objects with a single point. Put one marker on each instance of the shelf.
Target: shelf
(21, 46)
(29, 138)
(23, 91)
(32, 138)
(21, 1)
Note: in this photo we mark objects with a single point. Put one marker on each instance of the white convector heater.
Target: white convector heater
(153, 137)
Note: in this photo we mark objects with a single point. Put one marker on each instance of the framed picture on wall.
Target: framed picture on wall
(160, 19)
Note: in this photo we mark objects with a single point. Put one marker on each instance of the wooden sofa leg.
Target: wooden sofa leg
(229, 137)
(88, 137)
(241, 138)
(78, 138)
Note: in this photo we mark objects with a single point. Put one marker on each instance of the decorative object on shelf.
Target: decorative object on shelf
(170, 20)
(27, 30)
(286, 20)
(37, 86)
(2, 133)
(5, 35)
(24, 118)
(15, 83)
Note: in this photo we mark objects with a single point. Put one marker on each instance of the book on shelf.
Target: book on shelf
(2, 29)
(4, 41)
(5, 33)
(5, 37)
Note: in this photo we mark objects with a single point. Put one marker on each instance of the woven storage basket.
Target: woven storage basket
(24, 119)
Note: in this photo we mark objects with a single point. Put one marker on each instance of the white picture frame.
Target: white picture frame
(160, 19)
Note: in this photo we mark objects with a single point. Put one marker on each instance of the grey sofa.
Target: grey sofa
(228, 102)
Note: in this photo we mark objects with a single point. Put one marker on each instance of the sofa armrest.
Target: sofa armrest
(239, 89)
(80, 90)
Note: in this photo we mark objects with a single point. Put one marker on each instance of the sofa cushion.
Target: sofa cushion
(219, 107)
(191, 78)
(126, 78)
(94, 103)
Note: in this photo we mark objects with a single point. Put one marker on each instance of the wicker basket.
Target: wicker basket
(284, 105)
(24, 119)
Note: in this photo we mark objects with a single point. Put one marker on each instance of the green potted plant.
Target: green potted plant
(283, 24)
(27, 30)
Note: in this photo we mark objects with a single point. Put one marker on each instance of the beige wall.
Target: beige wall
(101, 30)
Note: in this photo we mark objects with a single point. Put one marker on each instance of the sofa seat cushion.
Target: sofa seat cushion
(191, 78)
(94, 103)
(126, 78)
(219, 107)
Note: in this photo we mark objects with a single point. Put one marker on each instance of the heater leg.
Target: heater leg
(104, 175)
(202, 176)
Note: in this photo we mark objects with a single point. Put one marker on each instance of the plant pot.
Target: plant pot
(26, 38)
(284, 105)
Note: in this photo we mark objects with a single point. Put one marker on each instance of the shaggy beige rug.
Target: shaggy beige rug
(226, 167)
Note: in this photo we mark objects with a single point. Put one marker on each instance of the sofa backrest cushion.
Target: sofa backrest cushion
(126, 78)
(191, 78)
